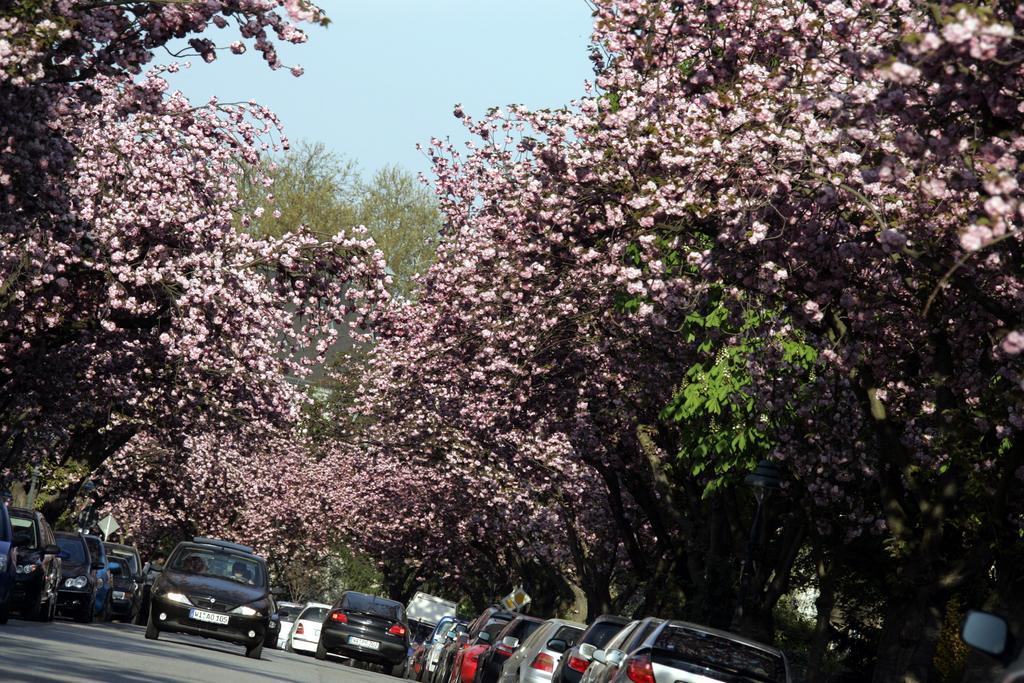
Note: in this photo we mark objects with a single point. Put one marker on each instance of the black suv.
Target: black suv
(76, 596)
(37, 575)
(367, 629)
(214, 589)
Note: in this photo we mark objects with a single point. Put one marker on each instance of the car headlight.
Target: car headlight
(26, 568)
(245, 611)
(76, 582)
(178, 598)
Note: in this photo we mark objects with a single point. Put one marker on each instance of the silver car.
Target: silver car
(681, 652)
(536, 659)
(605, 663)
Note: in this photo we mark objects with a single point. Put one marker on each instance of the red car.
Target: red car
(482, 633)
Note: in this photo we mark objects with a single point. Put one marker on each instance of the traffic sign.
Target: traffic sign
(516, 600)
(108, 525)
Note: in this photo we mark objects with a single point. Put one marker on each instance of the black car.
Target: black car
(8, 556)
(488, 667)
(37, 574)
(214, 589)
(367, 629)
(576, 659)
(126, 598)
(76, 595)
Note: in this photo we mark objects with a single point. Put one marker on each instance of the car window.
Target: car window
(222, 564)
(317, 614)
(130, 561)
(95, 549)
(494, 627)
(536, 637)
(722, 654)
(75, 549)
(601, 632)
(616, 642)
(369, 604)
(569, 634)
(646, 627)
(525, 628)
(25, 532)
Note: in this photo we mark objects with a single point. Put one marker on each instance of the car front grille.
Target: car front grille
(209, 602)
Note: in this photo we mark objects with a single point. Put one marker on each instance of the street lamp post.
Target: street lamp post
(766, 478)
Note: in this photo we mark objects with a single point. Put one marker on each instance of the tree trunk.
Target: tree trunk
(909, 636)
(823, 625)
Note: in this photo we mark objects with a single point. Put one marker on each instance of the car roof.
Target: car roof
(68, 534)
(728, 635)
(22, 512)
(611, 618)
(316, 604)
(122, 546)
(229, 547)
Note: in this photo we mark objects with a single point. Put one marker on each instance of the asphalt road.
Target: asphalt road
(118, 653)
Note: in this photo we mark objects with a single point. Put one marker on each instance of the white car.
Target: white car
(536, 658)
(305, 634)
(286, 612)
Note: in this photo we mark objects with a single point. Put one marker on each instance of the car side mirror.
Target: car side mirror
(615, 657)
(987, 633)
(586, 651)
(558, 645)
(52, 550)
(484, 637)
(599, 656)
(510, 642)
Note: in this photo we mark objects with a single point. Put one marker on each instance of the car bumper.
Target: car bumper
(170, 616)
(530, 675)
(337, 642)
(74, 601)
(27, 588)
(303, 645)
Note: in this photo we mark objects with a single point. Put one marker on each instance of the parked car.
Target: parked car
(577, 658)
(76, 596)
(424, 612)
(482, 634)
(489, 664)
(215, 589)
(446, 657)
(103, 604)
(305, 634)
(127, 580)
(37, 570)
(8, 563)
(535, 660)
(990, 634)
(606, 662)
(366, 628)
(446, 631)
(681, 651)
(286, 614)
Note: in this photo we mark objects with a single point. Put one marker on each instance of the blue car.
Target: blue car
(104, 581)
(8, 563)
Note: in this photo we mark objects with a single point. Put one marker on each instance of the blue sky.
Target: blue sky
(386, 73)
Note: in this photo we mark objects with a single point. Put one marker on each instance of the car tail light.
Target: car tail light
(543, 662)
(503, 649)
(339, 617)
(639, 669)
(578, 664)
(298, 628)
(397, 630)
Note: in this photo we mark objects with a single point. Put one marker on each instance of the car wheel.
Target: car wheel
(152, 632)
(321, 651)
(255, 651)
(5, 612)
(397, 670)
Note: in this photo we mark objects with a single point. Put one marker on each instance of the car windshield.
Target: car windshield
(74, 549)
(222, 564)
(601, 632)
(25, 533)
(723, 654)
(368, 604)
(129, 561)
(317, 614)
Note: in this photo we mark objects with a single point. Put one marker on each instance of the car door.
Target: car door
(51, 561)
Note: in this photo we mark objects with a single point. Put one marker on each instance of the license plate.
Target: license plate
(210, 617)
(119, 595)
(363, 642)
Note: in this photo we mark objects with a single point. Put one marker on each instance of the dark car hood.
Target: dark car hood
(69, 570)
(222, 589)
